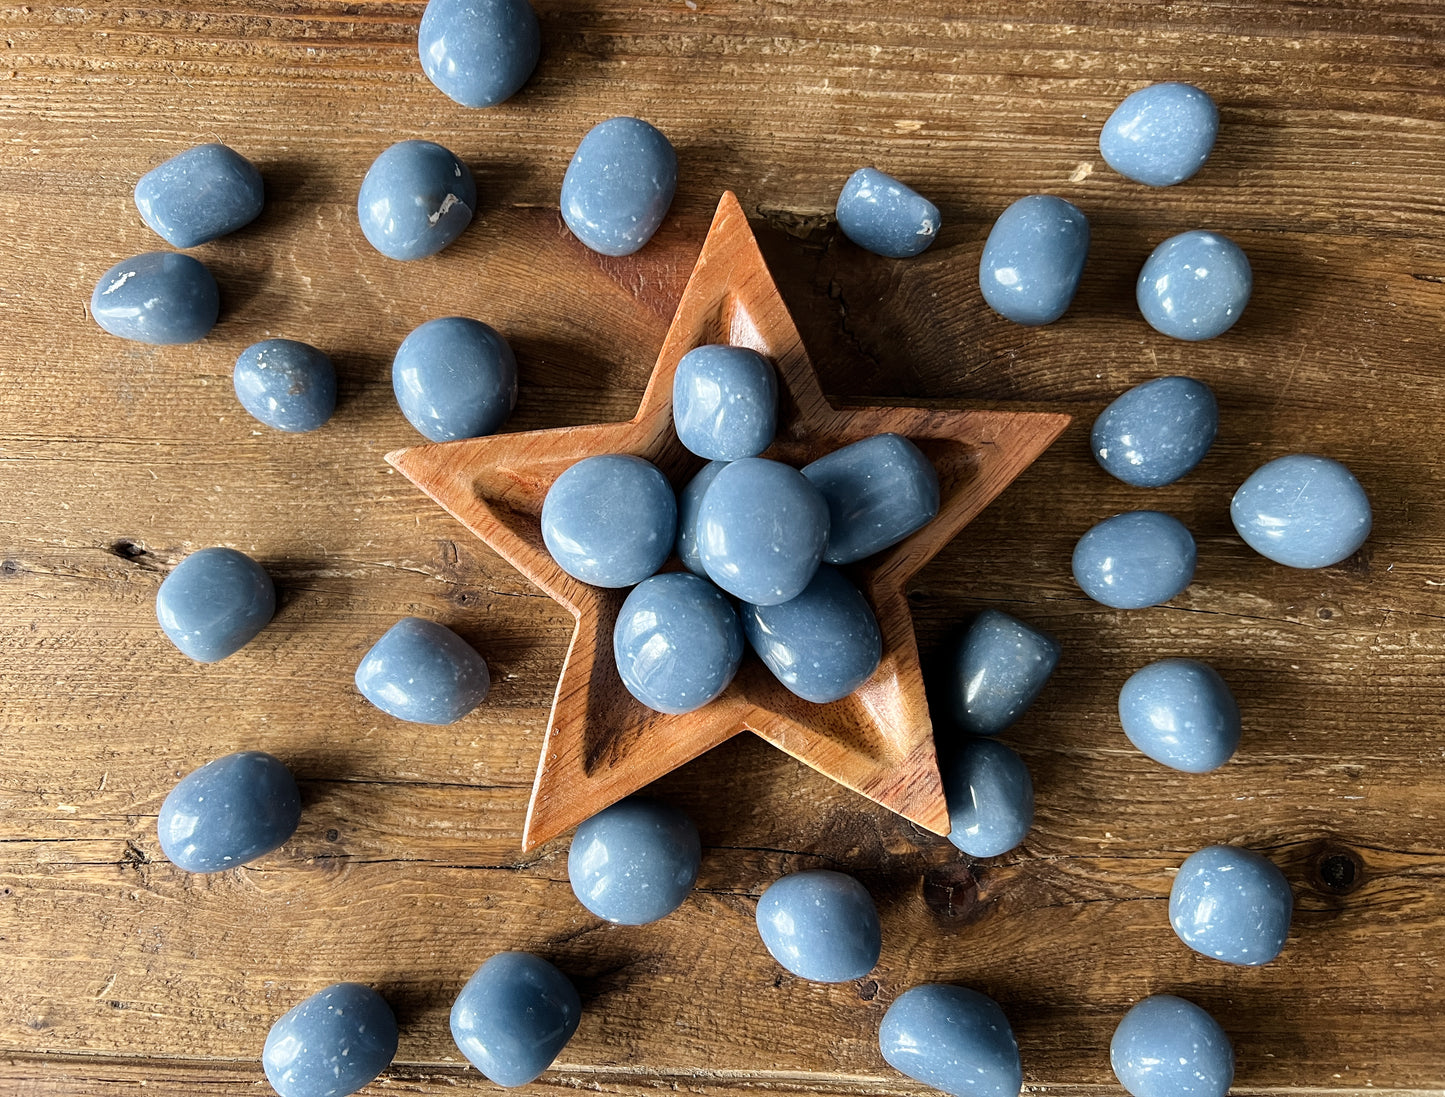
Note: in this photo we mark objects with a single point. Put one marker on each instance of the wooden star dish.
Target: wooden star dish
(601, 743)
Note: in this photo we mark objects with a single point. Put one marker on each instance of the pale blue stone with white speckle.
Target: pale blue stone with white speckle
(689, 504)
(990, 797)
(200, 194)
(879, 491)
(1130, 561)
(1033, 259)
(514, 1016)
(455, 377)
(1160, 135)
(886, 217)
(423, 672)
(479, 52)
(285, 384)
(1194, 286)
(334, 1043)
(953, 1039)
(1181, 713)
(610, 520)
(634, 862)
(230, 811)
(677, 642)
(214, 602)
(619, 185)
(725, 402)
(161, 297)
(1302, 511)
(416, 198)
(1001, 667)
(1169, 1047)
(1156, 432)
(821, 925)
(1231, 904)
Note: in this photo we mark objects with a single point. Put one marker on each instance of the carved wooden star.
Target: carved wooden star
(601, 743)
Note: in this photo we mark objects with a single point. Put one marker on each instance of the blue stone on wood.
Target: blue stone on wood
(1033, 259)
(424, 673)
(1195, 285)
(619, 185)
(689, 504)
(1180, 713)
(634, 862)
(514, 1017)
(879, 490)
(821, 925)
(1156, 432)
(1160, 135)
(677, 642)
(200, 194)
(725, 402)
(161, 297)
(416, 198)
(1170, 1047)
(455, 378)
(884, 216)
(214, 602)
(230, 811)
(334, 1043)
(990, 797)
(479, 52)
(1231, 904)
(286, 385)
(610, 520)
(953, 1039)
(1142, 558)
(1302, 511)
(999, 670)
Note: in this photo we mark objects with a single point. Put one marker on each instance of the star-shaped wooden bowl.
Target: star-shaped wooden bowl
(601, 743)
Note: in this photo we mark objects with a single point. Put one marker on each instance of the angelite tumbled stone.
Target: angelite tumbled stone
(479, 52)
(286, 385)
(610, 520)
(953, 1039)
(1302, 511)
(161, 297)
(1000, 668)
(455, 378)
(619, 185)
(725, 402)
(200, 194)
(1142, 558)
(1180, 713)
(416, 198)
(1160, 135)
(1170, 1047)
(689, 504)
(879, 490)
(677, 642)
(228, 812)
(1156, 432)
(334, 1043)
(214, 602)
(990, 797)
(1231, 904)
(1195, 285)
(424, 673)
(1033, 259)
(514, 1017)
(886, 217)
(821, 925)
(634, 862)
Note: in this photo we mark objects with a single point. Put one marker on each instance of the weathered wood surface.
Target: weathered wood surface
(116, 460)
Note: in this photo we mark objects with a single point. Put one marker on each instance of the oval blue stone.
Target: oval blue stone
(821, 925)
(479, 52)
(1302, 511)
(1231, 904)
(416, 199)
(879, 490)
(1160, 135)
(514, 1016)
(689, 505)
(725, 402)
(1033, 259)
(1142, 558)
(1156, 432)
(619, 185)
(286, 385)
(677, 642)
(990, 797)
(999, 670)
(214, 602)
(1195, 285)
(334, 1043)
(230, 811)
(1180, 713)
(424, 673)
(953, 1039)
(1169, 1047)
(634, 862)
(455, 378)
(200, 194)
(886, 217)
(610, 520)
(161, 297)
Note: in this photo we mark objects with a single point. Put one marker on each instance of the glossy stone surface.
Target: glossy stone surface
(619, 185)
(677, 642)
(1195, 285)
(1170, 1047)
(1156, 432)
(1302, 511)
(160, 297)
(878, 490)
(416, 199)
(230, 811)
(332, 1044)
(610, 520)
(762, 527)
(479, 52)
(634, 862)
(886, 217)
(953, 1039)
(286, 385)
(1142, 558)
(1180, 713)
(1160, 135)
(1231, 904)
(200, 194)
(214, 602)
(999, 669)
(514, 1016)
(823, 644)
(424, 673)
(990, 797)
(455, 378)
(821, 925)
(689, 505)
(1033, 259)
(725, 402)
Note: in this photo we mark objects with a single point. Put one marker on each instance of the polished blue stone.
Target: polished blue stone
(1160, 135)
(689, 505)
(953, 1039)
(725, 402)
(514, 1016)
(884, 216)
(1033, 259)
(424, 673)
(1169, 1047)
(1156, 432)
(1231, 904)
(479, 52)
(823, 644)
(455, 378)
(878, 490)
(821, 925)
(634, 862)
(161, 297)
(610, 520)
(228, 812)
(762, 527)
(416, 199)
(1302, 511)
(332, 1044)
(999, 669)
(619, 185)
(200, 194)
(677, 642)
(990, 797)
(1195, 285)
(1133, 560)
(287, 385)
(214, 602)
(1180, 713)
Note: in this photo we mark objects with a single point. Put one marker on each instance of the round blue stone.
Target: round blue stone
(886, 217)
(230, 811)
(416, 199)
(1160, 135)
(1180, 713)
(479, 52)
(455, 378)
(610, 520)
(821, 925)
(286, 385)
(424, 673)
(334, 1043)
(1231, 904)
(619, 185)
(999, 670)
(1142, 558)
(514, 1016)
(1195, 285)
(214, 602)
(953, 1039)
(1156, 432)
(725, 402)
(1169, 1047)
(677, 642)
(879, 490)
(634, 862)
(1033, 259)
(200, 194)
(160, 297)
(689, 505)
(990, 798)
(1302, 511)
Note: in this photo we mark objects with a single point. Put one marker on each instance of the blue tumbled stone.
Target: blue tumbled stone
(990, 797)
(479, 52)
(161, 297)
(1170, 1047)
(882, 215)
(200, 194)
(455, 378)
(879, 490)
(332, 1044)
(953, 1039)
(514, 1016)
(725, 402)
(1133, 560)
(228, 812)
(214, 602)
(416, 199)
(1231, 904)
(677, 642)
(1160, 135)
(634, 862)
(1180, 713)
(1302, 511)
(1195, 285)
(1156, 432)
(424, 673)
(1033, 259)
(689, 505)
(286, 385)
(821, 925)
(999, 670)
(619, 185)
(610, 520)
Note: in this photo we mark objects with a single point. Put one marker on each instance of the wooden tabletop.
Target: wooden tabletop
(117, 459)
